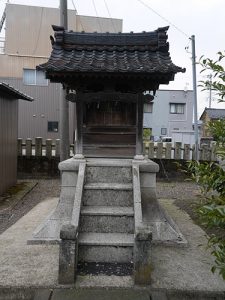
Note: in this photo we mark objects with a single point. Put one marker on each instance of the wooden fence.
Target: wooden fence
(48, 148)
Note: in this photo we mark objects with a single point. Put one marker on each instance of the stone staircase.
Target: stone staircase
(106, 231)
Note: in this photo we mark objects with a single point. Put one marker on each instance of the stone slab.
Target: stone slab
(107, 186)
(106, 239)
(108, 197)
(107, 211)
(107, 223)
(109, 162)
(43, 294)
(100, 294)
(108, 174)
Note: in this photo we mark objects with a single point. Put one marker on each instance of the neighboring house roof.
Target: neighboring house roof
(214, 113)
(8, 90)
(145, 53)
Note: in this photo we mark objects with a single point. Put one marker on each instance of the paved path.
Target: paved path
(30, 271)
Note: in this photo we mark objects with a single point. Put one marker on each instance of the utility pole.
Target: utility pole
(64, 104)
(192, 38)
(210, 90)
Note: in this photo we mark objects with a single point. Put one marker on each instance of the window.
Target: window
(177, 108)
(148, 107)
(163, 131)
(34, 77)
(53, 126)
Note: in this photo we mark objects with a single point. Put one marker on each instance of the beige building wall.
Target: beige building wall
(13, 65)
(28, 30)
(27, 45)
(30, 35)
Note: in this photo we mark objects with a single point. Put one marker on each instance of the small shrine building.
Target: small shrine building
(111, 76)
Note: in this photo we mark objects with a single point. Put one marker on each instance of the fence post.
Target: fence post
(168, 151)
(177, 150)
(204, 152)
(28, 147)
(57, 147)
(186, 151)
(19, 147)
(74, 148)
(144, 147)
(159, 151)
(151, 150)
(193, 152)
(213, 151)
(38, 146)
(48, 148)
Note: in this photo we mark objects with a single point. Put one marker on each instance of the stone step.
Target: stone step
(107, 211)
(107, 219)
(105, 247)
(109, 186)
(107, 197)
(108, 174)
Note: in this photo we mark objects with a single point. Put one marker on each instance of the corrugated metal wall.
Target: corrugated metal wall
(8, 142)
(34, 116)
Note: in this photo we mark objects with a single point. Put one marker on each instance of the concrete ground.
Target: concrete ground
(30, 271)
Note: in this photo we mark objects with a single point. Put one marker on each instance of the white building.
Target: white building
(170, 114)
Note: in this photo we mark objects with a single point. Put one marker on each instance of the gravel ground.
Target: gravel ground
(180, 190)
(185, 193)
(45, 188)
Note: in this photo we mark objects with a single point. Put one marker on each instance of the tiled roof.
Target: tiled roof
(215, 113)
(131, 53)
(11, 91)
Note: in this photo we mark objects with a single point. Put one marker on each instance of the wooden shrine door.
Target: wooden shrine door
(109, 128)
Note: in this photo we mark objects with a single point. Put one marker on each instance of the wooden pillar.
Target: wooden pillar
(139, 128)
(79, 113)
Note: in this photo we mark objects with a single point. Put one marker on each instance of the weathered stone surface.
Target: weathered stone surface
(100, 294)
(114, 223)
(50, 229)
(108, 174)
(67, 261)
(108, 197)
(142, 257)
(148, 166)
(96, 253)
(68, 232)
(70, 164)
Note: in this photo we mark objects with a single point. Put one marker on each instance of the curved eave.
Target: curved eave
(64, 76)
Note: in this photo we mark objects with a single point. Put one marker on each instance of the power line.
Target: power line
(77, 15)
(110, 16)
(165, 19)
(93, 1)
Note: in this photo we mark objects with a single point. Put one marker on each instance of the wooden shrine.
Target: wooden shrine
(109, 74)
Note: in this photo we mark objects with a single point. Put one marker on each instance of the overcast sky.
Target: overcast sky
(203, 18)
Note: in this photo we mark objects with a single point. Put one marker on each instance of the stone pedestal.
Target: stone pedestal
(49, 231)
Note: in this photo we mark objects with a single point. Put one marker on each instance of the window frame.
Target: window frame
(35, 78)
(176, 110)
(163, 129)
(150, 105)
(55, 131)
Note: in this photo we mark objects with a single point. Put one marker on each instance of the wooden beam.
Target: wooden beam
(79, 111)
(139, 125)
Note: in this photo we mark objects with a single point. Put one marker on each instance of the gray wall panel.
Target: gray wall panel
(8, 142)
(34, 116)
